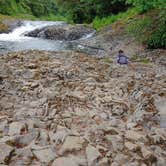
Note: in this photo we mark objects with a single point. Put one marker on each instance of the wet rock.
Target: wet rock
(62, 32)
(10, 24)
(92, 155)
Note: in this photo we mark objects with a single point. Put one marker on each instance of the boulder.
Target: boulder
(7, 25)
(61, 32)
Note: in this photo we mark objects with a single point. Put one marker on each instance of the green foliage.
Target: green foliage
(28, 7)
(157, 39)
(136, 58)
(107, 60)
(84, 11)
(53, 17)
(99, 23)
(139, 26)
(150, 30)
(145, 5)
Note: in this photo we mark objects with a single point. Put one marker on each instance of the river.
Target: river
(16, 41)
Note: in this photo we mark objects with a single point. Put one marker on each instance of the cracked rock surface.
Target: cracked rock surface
(70, 109)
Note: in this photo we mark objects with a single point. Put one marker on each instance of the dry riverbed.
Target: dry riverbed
(69, 109)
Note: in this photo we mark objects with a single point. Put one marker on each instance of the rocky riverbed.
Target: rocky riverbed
(70, 109)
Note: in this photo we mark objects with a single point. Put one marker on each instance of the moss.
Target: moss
(3, 27)
(134, 58)
(139, 59)
(144, 60)
(107, 60)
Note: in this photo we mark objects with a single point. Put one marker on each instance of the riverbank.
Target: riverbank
(67, 107)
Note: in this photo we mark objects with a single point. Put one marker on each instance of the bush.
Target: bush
(140, 28)
(98, 23)
(158, 38)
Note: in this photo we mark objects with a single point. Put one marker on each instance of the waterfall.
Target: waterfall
(18, 33)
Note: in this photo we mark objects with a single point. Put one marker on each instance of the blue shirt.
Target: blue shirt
(122, 59)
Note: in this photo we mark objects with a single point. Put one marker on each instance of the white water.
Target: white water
(18, 33)
(16, 41)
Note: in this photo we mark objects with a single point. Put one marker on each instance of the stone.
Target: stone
(161, 161)
(80, 113)
(145, 152)
(116, 142)
(114, 164)
(120, 158)
(34, 85)
(61, 32)
(130, 146)
(160, 104)
(134, 135)
(3, 124)
(5, 153)
(25, 152)
(69, 161)
(104, 116)
(92, 155)
(16, 128)
(131, 164)
(26, 139)
(59, 136)
(43, 138)
(109, 130)
(103, 162)
(72, 143)
(44, 154)
(131, 125)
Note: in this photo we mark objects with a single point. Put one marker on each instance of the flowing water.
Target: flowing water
(16, 41)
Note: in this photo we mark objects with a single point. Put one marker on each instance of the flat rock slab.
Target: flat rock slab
(69, 161)
(72, 143)
(44, 155)
(92, 155)
(5, 153)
